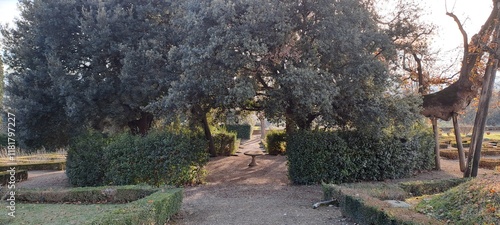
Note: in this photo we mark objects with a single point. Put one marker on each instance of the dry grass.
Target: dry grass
(474, 202)
(40, 156)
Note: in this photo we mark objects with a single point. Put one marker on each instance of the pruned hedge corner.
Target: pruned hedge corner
(140, 204)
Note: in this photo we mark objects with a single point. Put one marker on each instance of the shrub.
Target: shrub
(225, 143)
(243, 131)
(161, 157)
(84, 163)
(276, 142)
(158, 158)
(338, 157)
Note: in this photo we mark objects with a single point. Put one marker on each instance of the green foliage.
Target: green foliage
(275, 142)
(85, 163)
(349, 156)
(80, 63)
(225, 143)
(161, 157)
(243, 131)
(156, 208)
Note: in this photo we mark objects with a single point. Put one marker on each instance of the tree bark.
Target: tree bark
(208, 135)
(436, 140)
(262, 119)
(458, 138)
(480, 121)
(142, 125)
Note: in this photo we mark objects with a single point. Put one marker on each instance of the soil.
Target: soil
(238, 194)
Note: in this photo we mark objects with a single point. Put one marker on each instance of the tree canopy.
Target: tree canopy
(109, 64)
(85, 63)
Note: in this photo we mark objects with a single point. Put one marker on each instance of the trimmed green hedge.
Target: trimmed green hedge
(334, 157)
(85, 162)
(58, 165)
(276, 142)
(225, 143)
(243, 131)
(20, 175)
(156, 208)
(161, 157)
(144, 205)
(365, 209)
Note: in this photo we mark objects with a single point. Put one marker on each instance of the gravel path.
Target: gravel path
(238, 194)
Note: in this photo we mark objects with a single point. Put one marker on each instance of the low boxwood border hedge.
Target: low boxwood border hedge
(366, 209)
(154, 205)
(20, 175)
(58, 165)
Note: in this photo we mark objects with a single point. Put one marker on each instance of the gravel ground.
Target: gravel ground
(238, 194)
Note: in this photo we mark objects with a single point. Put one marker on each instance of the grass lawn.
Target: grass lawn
(56, 214)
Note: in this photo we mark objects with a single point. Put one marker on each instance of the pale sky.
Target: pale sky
(8, 10)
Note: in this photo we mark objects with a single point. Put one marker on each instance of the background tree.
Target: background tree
(85, 63)
(297, 61)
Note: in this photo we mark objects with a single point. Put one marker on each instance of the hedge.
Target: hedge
(243, 131)
(225, 143)
(161, 157)
(276, 142)
(85, 163)
(144, 205)
(338, 157)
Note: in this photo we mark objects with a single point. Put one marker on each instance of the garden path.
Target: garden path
(238, 194)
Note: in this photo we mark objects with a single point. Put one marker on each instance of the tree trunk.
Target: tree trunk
(142, 125)
(480, 121)
(262, 119)
(208, 135)
(436, 139)
(458, 138)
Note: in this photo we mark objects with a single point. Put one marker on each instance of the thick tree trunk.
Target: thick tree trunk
(436, 146)
(142, 125)
(208, 135)
(458, 138)
(480, 121)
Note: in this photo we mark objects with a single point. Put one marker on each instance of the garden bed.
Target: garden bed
(384, 203)
(96, 205)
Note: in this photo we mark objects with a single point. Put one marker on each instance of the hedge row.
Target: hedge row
(161, 157)
(243, 131)
(338, 157)
(275, 142)
(225, 143)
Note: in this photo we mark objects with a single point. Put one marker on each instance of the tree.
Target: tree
(296, 61)
(82, 63)
(450, 101)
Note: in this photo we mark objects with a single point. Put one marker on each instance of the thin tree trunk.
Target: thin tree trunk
(458, 138)
(480, 121)
(262, 119)
(208, 135)
(436, 140)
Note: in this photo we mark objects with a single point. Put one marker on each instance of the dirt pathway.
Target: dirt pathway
(238, 194)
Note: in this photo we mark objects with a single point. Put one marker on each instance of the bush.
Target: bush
(338, 157)
(158, 158)
(243, 131)
(84, 163)
(225, 143)
(161, 157)
(276, 142)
